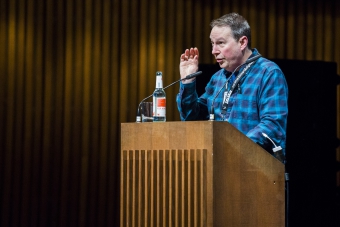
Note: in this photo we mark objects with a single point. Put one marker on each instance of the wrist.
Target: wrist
(188, 81)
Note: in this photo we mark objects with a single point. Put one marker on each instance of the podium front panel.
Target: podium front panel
(197, 174)
(163, 188)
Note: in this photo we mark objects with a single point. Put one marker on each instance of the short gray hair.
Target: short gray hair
(238, 25)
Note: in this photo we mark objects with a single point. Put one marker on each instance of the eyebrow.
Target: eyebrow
(219, 39)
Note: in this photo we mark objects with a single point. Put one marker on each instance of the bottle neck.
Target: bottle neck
(159, 82)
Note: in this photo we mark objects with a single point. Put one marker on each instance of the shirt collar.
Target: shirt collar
(227, 73)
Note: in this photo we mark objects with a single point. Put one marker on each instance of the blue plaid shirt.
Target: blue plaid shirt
(259, 104)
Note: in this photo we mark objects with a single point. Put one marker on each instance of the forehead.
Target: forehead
(220, 33)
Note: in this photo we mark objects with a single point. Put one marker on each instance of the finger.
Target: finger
(192, 53)
(196, 52)
(182, 57)
(187, 52)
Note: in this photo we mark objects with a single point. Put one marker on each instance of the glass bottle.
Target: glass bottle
(159, 99)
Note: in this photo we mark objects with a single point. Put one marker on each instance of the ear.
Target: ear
(243, 41)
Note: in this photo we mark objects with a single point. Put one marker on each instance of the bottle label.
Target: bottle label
(160, 107)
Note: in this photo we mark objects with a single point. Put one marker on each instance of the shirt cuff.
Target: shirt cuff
(188, 88)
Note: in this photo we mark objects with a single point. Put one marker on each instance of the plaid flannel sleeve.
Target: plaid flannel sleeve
(189, 105)
(273, 110)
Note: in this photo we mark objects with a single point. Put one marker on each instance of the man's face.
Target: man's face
(227, 50)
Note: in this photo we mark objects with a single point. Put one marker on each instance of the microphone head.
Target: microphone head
(193, 75)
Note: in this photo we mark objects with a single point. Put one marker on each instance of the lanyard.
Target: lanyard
(227, 93)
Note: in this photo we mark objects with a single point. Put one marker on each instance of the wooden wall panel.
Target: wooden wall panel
(72, 71)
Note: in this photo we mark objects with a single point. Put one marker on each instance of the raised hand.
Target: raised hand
(188, 63)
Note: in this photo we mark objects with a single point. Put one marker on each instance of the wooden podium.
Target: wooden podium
(197, 173)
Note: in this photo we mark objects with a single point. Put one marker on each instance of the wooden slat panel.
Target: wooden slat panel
(38, 114)
(170, 56)
(319, 30)
(328, 23)
(205, 53)
(166, 188)
(133, 56)
(291, 26)
(114, 109)
(48, 119)
(29, 116)
(19, 108)
(85, 164)
(200, 196)
(133, 197)
(3, 86)
(281, 31)
(3, 113)
(182, 190)
(58, 111)
(272, 25)
(146, 210)
(143, 91)
(128, 189)
(122, 188)
(104, 118)
(176, 186)
(139, 196)
(68, 138)
(189, 215)
(170, 205)
(76, 107)
(252, 21)
(105, 107)
(9, 123)
(300, 30)
(11, 204)
(95, 77)
(310, 31)
(124, 66)
(171, 185)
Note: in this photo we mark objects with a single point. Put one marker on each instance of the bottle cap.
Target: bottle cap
(159, 80)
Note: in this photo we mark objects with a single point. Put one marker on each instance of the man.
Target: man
(250, 92)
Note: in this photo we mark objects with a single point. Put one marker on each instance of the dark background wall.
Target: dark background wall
(311, 140)
(72, 71)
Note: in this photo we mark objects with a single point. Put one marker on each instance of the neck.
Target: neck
(246, 55)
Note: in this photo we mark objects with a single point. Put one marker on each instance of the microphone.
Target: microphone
(191, 76)
(138, 118)
(278, 153)
(211, 114)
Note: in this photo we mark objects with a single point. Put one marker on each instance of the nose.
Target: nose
(215, 50)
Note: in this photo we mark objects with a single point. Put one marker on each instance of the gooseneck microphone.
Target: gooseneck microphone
(211, 111)
(190, 76)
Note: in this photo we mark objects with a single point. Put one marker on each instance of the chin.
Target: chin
(224, 65)
(226, 68)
